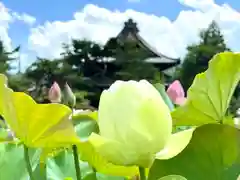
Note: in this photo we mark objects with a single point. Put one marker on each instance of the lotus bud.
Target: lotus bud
(176, 93)
(54, 94)
(69, 96)
(134, 123)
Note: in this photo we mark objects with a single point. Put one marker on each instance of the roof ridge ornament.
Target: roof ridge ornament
(130, 25)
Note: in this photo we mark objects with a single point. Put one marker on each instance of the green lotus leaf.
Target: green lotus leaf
(36, 125)
(212, 153)
(62, 167)
(84, 115)
(12, 163)
(210, 94)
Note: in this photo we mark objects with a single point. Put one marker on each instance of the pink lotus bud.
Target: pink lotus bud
(54, 94)
(176, 93)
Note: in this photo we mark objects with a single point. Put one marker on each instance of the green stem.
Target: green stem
(76, 158)
(95, 173)
(76, 162)
(28, 164)
(43, 170)
(142, 173)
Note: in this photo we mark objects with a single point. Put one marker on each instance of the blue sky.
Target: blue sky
(52, 10)
(174, 13)
(62, 10)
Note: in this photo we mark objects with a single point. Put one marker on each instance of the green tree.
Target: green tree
(84, 69)
(42, 73)
(19, 82)
(198, 55)
(15, 81)
(7, 57)
(129, 58)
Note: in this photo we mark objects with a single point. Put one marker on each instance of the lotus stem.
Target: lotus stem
(76, 158)
(28, 163)
(76, 162)
(95, 173)
(43, 170)
(142, 173)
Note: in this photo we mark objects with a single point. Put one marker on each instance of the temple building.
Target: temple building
(130, 33)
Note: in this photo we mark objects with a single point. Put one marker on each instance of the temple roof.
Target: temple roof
(131, 31)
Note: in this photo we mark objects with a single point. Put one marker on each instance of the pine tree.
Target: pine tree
(6, 58)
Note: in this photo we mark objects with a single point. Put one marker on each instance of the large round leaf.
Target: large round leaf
(37, 125)
(42, 125)
(210, 94)
(212, 153)
(62, 167)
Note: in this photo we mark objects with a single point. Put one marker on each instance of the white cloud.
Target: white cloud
(5, 20)
(200, 4)
(26, 18)
(169, 37)
(7, 17)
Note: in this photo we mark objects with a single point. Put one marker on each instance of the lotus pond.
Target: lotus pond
(141, 131)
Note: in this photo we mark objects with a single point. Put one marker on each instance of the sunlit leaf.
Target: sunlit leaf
(210, 94)
(37, 125)
(51, 152)
(212, 153)
(43, 125)
(7, 110)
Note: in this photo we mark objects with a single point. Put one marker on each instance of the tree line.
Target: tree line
(88, 67)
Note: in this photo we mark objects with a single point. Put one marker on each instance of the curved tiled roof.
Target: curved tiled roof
(130, 27)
